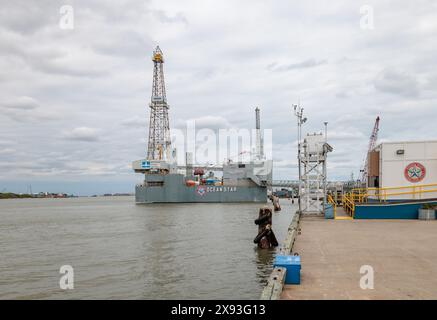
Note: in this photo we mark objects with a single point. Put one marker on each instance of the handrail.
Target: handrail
(406, 187)
(361, 195)
(395, 188)
(348, 203)
(384, 195)
(334, 205)
(381, 194)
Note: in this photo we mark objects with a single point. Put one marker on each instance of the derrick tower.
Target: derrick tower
(159, 129)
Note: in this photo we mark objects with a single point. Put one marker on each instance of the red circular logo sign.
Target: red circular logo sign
(415, 172)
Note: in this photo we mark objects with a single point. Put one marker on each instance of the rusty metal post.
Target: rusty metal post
(265, 238)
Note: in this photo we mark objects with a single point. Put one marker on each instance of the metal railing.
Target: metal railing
(333, 203)
(361, 195)
(383, 194)
(349, 203)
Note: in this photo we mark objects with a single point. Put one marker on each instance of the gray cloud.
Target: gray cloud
(82, 134)
(21, 103)
(309, 63)
(342, 95)
(25, 109)
(6, 151)
(135, 121)
(27, 19)
(346, 135)
(210, 122)
(166, 18)
(397, 82)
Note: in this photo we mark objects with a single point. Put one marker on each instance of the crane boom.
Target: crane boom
(372, 145)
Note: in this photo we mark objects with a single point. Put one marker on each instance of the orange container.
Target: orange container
(190, 183)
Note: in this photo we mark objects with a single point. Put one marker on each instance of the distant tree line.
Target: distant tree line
(11, 195)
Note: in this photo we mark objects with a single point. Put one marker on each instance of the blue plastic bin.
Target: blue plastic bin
(292, 265)
(329, 211)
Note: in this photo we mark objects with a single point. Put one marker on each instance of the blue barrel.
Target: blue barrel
(329, 211)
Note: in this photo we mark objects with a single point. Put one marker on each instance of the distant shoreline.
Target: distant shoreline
(11, 195)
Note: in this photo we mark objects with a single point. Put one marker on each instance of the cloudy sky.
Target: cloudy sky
(73, 102)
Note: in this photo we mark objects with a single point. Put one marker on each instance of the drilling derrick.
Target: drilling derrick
(159, 129)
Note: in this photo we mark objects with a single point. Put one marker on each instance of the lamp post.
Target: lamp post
(298, 112)
(326, 131)
(325, 169)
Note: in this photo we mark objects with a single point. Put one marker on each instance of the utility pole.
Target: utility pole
(325, 170)
(298, 112)
(326, 131)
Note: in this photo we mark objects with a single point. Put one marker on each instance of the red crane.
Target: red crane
(372, 145)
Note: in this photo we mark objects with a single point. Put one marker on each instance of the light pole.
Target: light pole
(298, 112)
(326, 131)
(325, 168)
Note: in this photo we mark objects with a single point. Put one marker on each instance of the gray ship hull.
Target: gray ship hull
(172, 189)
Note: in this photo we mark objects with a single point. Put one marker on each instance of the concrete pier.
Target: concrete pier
(403, 254)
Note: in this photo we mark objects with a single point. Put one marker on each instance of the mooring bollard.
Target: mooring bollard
(276, 205)
(265, 238)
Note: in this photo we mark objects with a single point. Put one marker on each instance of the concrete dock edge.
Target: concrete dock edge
(275, 283)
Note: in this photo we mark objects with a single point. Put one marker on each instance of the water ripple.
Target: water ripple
(124, 251)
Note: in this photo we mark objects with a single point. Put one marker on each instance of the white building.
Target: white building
(406, 166)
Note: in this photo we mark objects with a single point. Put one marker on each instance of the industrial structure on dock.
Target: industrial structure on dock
(312, 156)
